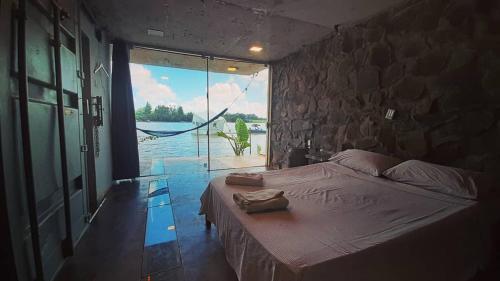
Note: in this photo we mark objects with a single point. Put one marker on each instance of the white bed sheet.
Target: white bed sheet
(344, 225)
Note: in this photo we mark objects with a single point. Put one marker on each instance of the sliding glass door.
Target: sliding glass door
(170, 96)
(211, 112)
(238, 138)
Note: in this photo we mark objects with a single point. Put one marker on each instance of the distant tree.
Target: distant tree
(171, 113)
(163, 113)
(147, 109)
(232, 117)
(140, 115)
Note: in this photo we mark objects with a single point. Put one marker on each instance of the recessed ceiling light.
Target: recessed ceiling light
(155, 32)
(232, 68)
(256, 49)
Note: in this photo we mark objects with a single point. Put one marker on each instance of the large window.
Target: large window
(183, 92)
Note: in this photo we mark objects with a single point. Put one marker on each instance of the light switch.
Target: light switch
(390, 114)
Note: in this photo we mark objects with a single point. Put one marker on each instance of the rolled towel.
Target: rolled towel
(257, 196)
(250, 179)
(262, 200)
(280, 203)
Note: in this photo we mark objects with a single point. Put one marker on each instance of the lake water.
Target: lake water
(186, 145)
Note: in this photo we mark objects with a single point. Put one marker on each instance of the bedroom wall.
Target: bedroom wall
(436, 62)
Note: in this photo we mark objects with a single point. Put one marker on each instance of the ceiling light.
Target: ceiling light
(155, 32)
(232, 68)
(256, 49)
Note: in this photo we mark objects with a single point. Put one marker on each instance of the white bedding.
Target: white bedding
(344, 225)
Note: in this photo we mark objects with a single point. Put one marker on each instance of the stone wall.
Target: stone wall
(436, 62)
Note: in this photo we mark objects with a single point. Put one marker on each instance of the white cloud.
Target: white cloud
(222, 95)
(147, 88)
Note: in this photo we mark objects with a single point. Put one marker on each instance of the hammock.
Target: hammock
(175, 133)
(161, 134)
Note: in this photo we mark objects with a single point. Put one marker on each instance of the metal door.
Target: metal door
(44, 131)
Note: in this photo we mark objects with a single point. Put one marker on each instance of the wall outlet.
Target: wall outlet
(390, 114)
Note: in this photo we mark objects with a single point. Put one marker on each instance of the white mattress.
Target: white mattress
(345, 225)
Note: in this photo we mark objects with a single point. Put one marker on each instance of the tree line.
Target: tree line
(232, 117)
(171, 113)
(163, 113)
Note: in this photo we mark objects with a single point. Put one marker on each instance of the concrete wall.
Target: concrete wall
(436, 62)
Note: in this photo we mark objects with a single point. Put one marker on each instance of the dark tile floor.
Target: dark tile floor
(121, 243)
(113, 246)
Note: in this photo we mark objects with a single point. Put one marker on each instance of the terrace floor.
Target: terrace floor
(174, 165)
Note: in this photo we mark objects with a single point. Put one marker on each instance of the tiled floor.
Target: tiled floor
(133, 236)
(113, 246)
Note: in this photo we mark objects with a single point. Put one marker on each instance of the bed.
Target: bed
(342, 224)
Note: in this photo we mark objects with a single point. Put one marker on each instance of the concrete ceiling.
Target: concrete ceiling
(227, 28)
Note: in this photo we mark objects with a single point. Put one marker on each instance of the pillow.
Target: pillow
(365, 161)
(442, 179)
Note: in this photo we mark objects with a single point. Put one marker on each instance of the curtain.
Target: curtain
(123, 131)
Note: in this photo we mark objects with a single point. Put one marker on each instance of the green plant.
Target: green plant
(240, 141)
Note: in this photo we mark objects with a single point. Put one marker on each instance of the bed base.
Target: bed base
(208, 224)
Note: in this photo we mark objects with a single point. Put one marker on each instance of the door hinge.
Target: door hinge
(84, 148)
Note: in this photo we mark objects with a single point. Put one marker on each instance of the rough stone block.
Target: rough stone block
(449, 133)
(413, 144)
(409, 89)
(407, 46)
(423, 106)
(491, 84)
(373, 34)
(347, 43)
(367, 80)
(476, 122)
(365, 143)
(392, 74)
(431, 63)
(367, 127)
(380, 55)
(301, 125)
(460, 58)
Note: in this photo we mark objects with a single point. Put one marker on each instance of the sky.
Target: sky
(187, 88)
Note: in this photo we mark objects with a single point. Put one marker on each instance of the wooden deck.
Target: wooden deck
(184, 165)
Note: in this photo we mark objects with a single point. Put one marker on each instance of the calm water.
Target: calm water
(186, 145)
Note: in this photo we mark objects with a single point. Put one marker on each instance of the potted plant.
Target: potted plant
(240, 141)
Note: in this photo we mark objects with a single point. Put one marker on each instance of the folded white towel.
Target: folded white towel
(257, 196)
(250, 179)
(262, 200)
(280, 203)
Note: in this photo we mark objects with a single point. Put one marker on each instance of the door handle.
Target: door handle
(87, 106)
